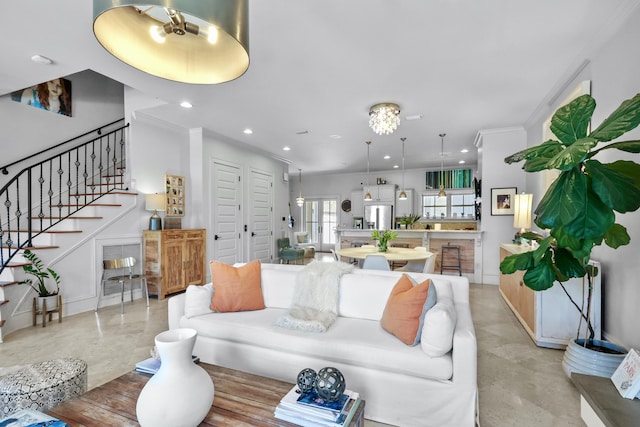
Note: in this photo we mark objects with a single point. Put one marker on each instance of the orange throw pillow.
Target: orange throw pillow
(236, 288)
(404, 313)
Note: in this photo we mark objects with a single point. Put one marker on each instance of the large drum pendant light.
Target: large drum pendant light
(200, 42)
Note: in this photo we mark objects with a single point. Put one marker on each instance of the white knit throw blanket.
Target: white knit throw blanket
(315, 298)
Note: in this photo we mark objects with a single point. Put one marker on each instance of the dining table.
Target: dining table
(392, 253)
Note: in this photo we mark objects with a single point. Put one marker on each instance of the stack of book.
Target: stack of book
(151, 365)
(310, 410)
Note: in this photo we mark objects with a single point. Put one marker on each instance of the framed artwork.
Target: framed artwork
(175, 193)
(502, 200)
(53, 96)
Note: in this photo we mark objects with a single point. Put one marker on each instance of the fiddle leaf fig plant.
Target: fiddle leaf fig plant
(579, 208)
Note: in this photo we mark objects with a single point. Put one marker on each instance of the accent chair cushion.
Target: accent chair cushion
(236, 288)
(404, 313)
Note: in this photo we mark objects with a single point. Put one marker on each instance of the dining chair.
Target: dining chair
(126, 265)
(415, 265)
(376, 262)
(430, 263)
(335, 255)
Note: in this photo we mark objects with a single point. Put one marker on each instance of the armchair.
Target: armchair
(287, 253)
(302, 242)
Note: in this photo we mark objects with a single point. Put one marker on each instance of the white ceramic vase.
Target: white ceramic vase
(180, 394)
(583, 360)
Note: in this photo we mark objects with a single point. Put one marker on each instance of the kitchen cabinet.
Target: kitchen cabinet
(174, 259)
(405, 207)
(548, 316)
(384, 193)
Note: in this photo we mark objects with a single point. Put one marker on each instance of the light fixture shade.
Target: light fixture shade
(155, 202)
(300, 201)
(384, 118)
(522, 211)
(442, 193)
(367, 196)
(202, 42)
(402, 196)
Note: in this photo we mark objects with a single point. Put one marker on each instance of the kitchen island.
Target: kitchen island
(470, 242)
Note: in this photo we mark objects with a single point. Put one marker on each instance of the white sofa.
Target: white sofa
(401, 384)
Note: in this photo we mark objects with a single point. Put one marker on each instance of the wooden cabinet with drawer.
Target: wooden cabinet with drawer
(174, 259)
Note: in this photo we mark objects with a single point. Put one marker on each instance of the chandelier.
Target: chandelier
(384, 118)
(198, 42)
(300, 199)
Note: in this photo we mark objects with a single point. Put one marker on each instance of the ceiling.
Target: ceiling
(317, 66)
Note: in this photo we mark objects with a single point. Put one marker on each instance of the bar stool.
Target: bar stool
(453, 251)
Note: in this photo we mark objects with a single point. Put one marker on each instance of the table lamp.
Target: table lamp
(155, 203)
(522, 214)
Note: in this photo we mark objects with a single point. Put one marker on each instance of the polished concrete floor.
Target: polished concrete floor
(519, 384)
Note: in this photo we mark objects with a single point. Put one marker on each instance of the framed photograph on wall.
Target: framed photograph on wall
(502, 200)
(175, 193)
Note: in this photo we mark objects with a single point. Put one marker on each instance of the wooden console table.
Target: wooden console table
(240, 399)
(602, 405)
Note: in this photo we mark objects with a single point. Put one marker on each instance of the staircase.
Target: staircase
(54, 206)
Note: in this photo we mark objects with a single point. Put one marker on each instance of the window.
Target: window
(454, 205)
(463, 205)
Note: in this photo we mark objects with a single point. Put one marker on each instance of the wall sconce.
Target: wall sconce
(155, 203)
(522, 214)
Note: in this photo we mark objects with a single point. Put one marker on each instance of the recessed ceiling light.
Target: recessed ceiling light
(464, 150)
(286, 148)
(414, 117)
(186, 104)
(247, 131)
(41, 59)
(461, 162)
(396, 166)
(387, 157)
(335, 136)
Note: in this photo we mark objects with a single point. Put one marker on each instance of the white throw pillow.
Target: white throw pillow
(439, 324)
(198, 300)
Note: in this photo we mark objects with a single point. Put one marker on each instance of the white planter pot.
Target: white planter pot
(52, 302)
(180, 394)
(583, 360)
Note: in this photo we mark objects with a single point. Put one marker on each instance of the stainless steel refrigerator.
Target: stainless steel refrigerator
(379, 217)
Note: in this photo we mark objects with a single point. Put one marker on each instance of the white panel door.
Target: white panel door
(226, 220)
(261, 216)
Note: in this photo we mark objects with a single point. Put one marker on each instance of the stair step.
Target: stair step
(2, 323)
(117, 205)
(17, 264)
(124, 192)
(7, 283)
(112, 176)
(35, 218)
(3, 302)
(31, 248)
(46, 231)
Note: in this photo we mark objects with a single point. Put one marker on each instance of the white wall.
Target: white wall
(494, 145)
(613, 71)
(96, 101)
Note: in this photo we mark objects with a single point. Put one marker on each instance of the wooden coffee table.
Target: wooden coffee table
(241, 399)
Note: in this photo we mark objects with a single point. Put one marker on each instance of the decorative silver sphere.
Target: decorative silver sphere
(330, 383)
(306, 380)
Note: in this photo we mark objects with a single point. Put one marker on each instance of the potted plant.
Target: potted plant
(383, 238)
(38, 283)
(409, 220)
(579, 208)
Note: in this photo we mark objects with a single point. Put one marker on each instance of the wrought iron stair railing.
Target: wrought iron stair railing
(49, 191)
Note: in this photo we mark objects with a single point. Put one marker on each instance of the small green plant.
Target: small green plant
(40, 275)
(383, 238)
(409, 219)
